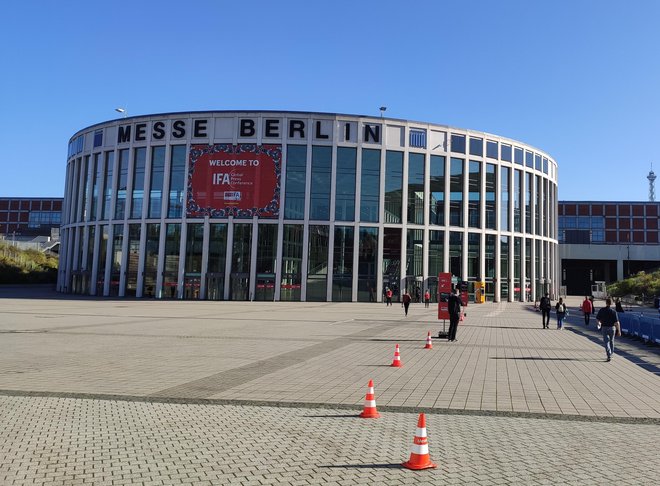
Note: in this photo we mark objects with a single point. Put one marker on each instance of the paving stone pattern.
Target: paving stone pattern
(77, 441)
(176, 392)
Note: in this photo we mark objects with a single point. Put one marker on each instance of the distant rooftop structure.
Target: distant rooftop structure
(651, 178)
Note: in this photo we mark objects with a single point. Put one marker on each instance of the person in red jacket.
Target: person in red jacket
(588, 309)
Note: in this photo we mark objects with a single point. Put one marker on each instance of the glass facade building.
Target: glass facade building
(298, 206)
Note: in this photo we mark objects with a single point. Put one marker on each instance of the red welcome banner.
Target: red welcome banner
(240, 180)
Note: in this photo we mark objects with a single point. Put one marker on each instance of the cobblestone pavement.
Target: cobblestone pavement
(74, 441)
(156, 392)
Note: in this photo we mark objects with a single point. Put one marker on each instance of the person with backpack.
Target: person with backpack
(560, 308)
(454, 306)
(608, 321)
(545, 306)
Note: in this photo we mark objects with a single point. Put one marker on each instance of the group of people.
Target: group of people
(607, 318)
(406, 299)
(454, 306)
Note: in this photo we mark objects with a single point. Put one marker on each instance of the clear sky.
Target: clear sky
(578, 79)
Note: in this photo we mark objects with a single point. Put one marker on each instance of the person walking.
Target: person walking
(405, 301)
(454, 308)
(388, 296)
(560, 308)
(545, 306)
(427, 298)
(587, 308)
(608, 321)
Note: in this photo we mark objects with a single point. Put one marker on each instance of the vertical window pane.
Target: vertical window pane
(192, 267)
(528, 202)
(416, 188)
(437, 190)
(151, 259)
(474, 202)
(320, 190)
(491, 196)
(489, 255)
(266, 260)
(517, 268)
(504, 208)
(370, 185)
(456, 254)
(156, 183)
(392, 260)
(139, 163)
(133, 259)
(342, 264)
(215, 267)
(537, 208)
(393, 186)
(317, 271)
(177, 181)
(97, 173)
(345, 191)
(492, 149)
(517, 197)
(458, 143)
(476, 146)
(506, 152)
(84, 188)
(171, 260)
(122, 181)
(368, 251)
(436, 261)
(474, 250)
(414, 252)
(103, 251)
(107, 185)
(296, 166)
(292, 255)
(456, 193)
(241, 260)
(116, 257)
(504, 267)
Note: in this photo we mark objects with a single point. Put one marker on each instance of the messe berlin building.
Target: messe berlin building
(299, 206)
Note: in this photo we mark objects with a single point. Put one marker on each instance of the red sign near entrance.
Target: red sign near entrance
(240, 180)
(444, 289)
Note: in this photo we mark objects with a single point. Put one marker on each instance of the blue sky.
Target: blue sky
(578, 79)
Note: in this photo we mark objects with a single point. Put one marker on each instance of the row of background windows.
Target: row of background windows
(525, 185)
(321, 243)
(600, 236)
(495, 150)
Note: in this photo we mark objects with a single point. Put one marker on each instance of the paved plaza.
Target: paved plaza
(181, 392)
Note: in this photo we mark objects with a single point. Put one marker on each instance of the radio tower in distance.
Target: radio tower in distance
(651, 178)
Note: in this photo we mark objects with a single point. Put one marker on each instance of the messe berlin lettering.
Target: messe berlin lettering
(247, 128)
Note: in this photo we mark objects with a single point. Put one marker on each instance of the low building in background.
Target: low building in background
(606, 241)
(31, 222)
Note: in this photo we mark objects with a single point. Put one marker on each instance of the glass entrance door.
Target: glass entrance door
(215, 286)
(240, 286)
(265, 287)
(191, 285)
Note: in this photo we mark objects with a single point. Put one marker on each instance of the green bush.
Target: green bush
(641, 283)
(26, 266)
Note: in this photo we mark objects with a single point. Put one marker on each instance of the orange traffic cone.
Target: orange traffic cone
(419, 452)
(369, 410)
(397, 358)
(429, 345)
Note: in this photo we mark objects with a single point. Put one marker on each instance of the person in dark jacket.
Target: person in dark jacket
(405, 301)
(545, 307)
(608, 321)
(454, 308)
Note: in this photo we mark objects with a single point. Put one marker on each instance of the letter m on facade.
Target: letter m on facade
(124, 134)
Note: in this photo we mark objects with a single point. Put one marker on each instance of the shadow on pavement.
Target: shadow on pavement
(639, 361)
(367, 466)
(540, 358)
(333, 416)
